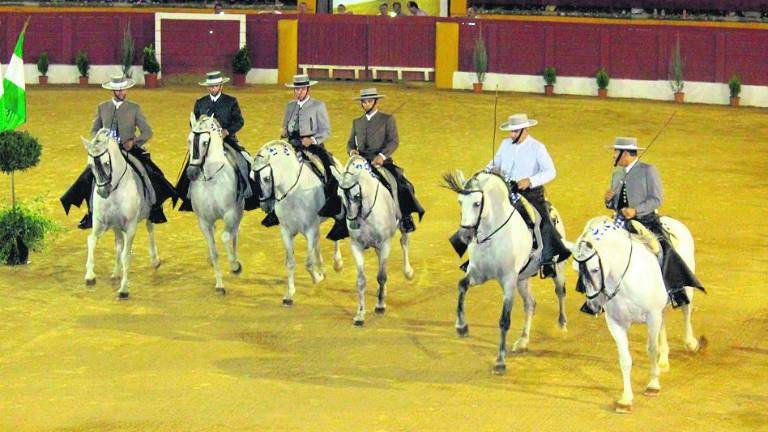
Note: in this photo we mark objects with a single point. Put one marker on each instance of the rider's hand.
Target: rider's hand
(128, 144)
(283, 133)
(354, 153)
(224, 133)
(628, 213)
(378, 161)
(306, 141)
(523, 184)
(609, 195)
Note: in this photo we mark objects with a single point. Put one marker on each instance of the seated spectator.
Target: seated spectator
(413, 7)
(218, 9)
(383, 9)
(302, 7)
(471, 12)
(342, 10)
(397, 9)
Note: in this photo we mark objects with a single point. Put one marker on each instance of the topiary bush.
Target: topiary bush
(127, 52)
(480, 58)
(18, 151)
(550, 75)
(23, 228)
(734, 85)
(149, 61)
(42, 64)
(241, 64)
(83, 65)
(602, 79)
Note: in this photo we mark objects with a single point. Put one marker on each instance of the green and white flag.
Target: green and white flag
(13, 107)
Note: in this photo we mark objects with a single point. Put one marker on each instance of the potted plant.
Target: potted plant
(127, 52)
(151, 67)
(241, 65)
(81, 60)
(734, 85)
(480, 60)
(21, 228)
(602, 79)
(550, 77)
(676, 73)
(42, 67)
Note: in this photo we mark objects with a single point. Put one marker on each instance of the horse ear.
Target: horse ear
(85, 141)
(462, 179)
(192, 119)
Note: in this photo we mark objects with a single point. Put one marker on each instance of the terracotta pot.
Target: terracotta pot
(42, 79)
(83, 81)
(477, 87)
(238, 79)
(603, 93)
(549, 90)
(735, 101)
(679, 97)
(150, 80)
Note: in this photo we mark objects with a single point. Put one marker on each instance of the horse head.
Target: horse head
(587, 260)
(473, 196)
(356, 170)
(204, 137)
(275, 163)
(103, 155)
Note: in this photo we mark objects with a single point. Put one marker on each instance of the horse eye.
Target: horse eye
(595, 270)
(476, 204)
(267, 178)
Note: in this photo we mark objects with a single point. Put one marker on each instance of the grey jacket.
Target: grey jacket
(374, 136)
(644, 191)
(129, 118)
(313, 120)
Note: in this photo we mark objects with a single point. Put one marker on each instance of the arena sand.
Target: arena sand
(179, 357)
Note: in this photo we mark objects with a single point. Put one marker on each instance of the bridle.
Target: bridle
(272, 195)
(349, 198)
(584, 272)
(475, 227)
(196, 155)
(102, 172)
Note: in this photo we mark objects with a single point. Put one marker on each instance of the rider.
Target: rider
(306, 126)
(636, 193)
(526, 165)
(374, 137)
(225, 109)
(122, 118)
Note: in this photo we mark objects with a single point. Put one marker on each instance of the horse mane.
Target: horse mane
(452, 182)
(273, 148)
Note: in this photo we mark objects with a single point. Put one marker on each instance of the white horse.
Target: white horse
(621, 274)
(119, 203)
(372, 221)
(296, 194)
(213, 192)
(500, 244)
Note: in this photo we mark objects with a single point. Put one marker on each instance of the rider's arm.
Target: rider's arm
(97, 123)
(236, 120)
(352, 142)
(323, 125)
(144, 128)
(655, 194)
(391, 138)
(546, 171)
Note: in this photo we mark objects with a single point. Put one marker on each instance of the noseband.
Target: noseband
(272, 195)
(101, 171)
(476, 226)
(348, 197)
(196, 155)
(584, 272)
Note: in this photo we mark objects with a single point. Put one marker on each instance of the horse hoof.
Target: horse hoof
(122, 296)
(338, 266)
(358, 322)
(157, 264)
(664, 367)
(409, 274)
(380, 310)
(701, 344)
(287, 302)
(90, 282)
(499, 369)
(622, 408)
(221, 291)
(463, 331)
(651, 392)
(238, 270)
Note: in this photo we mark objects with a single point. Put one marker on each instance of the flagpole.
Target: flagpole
(13, 193)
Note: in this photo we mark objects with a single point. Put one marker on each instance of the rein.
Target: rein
(359, 211)
(476, 226)
(271, 174)
(583, 270)
(201, 165)
(100, 169)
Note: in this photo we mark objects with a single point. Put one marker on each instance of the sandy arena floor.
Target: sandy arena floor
(179, 357)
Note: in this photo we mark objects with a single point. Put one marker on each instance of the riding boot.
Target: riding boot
(332, 206)
(407, 225)
(156, 214)
(87, 221)
(270, 220)
(182, 189)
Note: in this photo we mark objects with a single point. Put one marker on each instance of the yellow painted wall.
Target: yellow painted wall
(446, 53)
(458, 8)
(287, 49)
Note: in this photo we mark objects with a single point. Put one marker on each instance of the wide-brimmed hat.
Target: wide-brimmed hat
(369, 93)
(213, 79)
(118, 82)
(626, 143)
(517, 122)
(301, 80)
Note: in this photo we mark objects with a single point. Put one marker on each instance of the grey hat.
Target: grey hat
(517, 122)
(118, 82)
(626, 143)
(213, 79)
(369, 93)
(300, 81)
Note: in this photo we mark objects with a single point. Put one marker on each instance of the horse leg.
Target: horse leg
(313, 246)
(357, 254)
(338, 262)
(619, 333)
(654, 323)
(213, 254)
(407, 269)
(153, 258)
(96, 232)
(462, 328)
(663, 348)
(290, 265)
(508, 285)
(118, 253)
(381, 277)
(529, 306)
(229, 238)
(562, 320)
(692, 344)
(130, 234)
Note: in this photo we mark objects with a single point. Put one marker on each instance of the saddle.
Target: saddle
(146, 183)
(645, 236)
(242, 166)
(315, 164)
(390, 182)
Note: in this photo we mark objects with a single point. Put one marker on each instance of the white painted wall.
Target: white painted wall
(695, 92)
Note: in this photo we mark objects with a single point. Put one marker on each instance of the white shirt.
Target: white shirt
(371, 114)
(629, 167)
(117, 103)
(302, 102)
(215, 98)
(528, 159)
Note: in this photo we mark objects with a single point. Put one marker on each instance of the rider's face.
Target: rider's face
(215, 89)
(120, 95)
(367, 104)
(301, 93)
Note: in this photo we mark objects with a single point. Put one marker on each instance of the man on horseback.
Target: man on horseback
(636, 194)
(306, 126)
(374, 137)
(526, 165)
(226, 110)
(122, 118)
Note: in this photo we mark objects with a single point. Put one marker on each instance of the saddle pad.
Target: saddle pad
(390, 182)
(646, 237)
(316, 164)
(138, 168)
